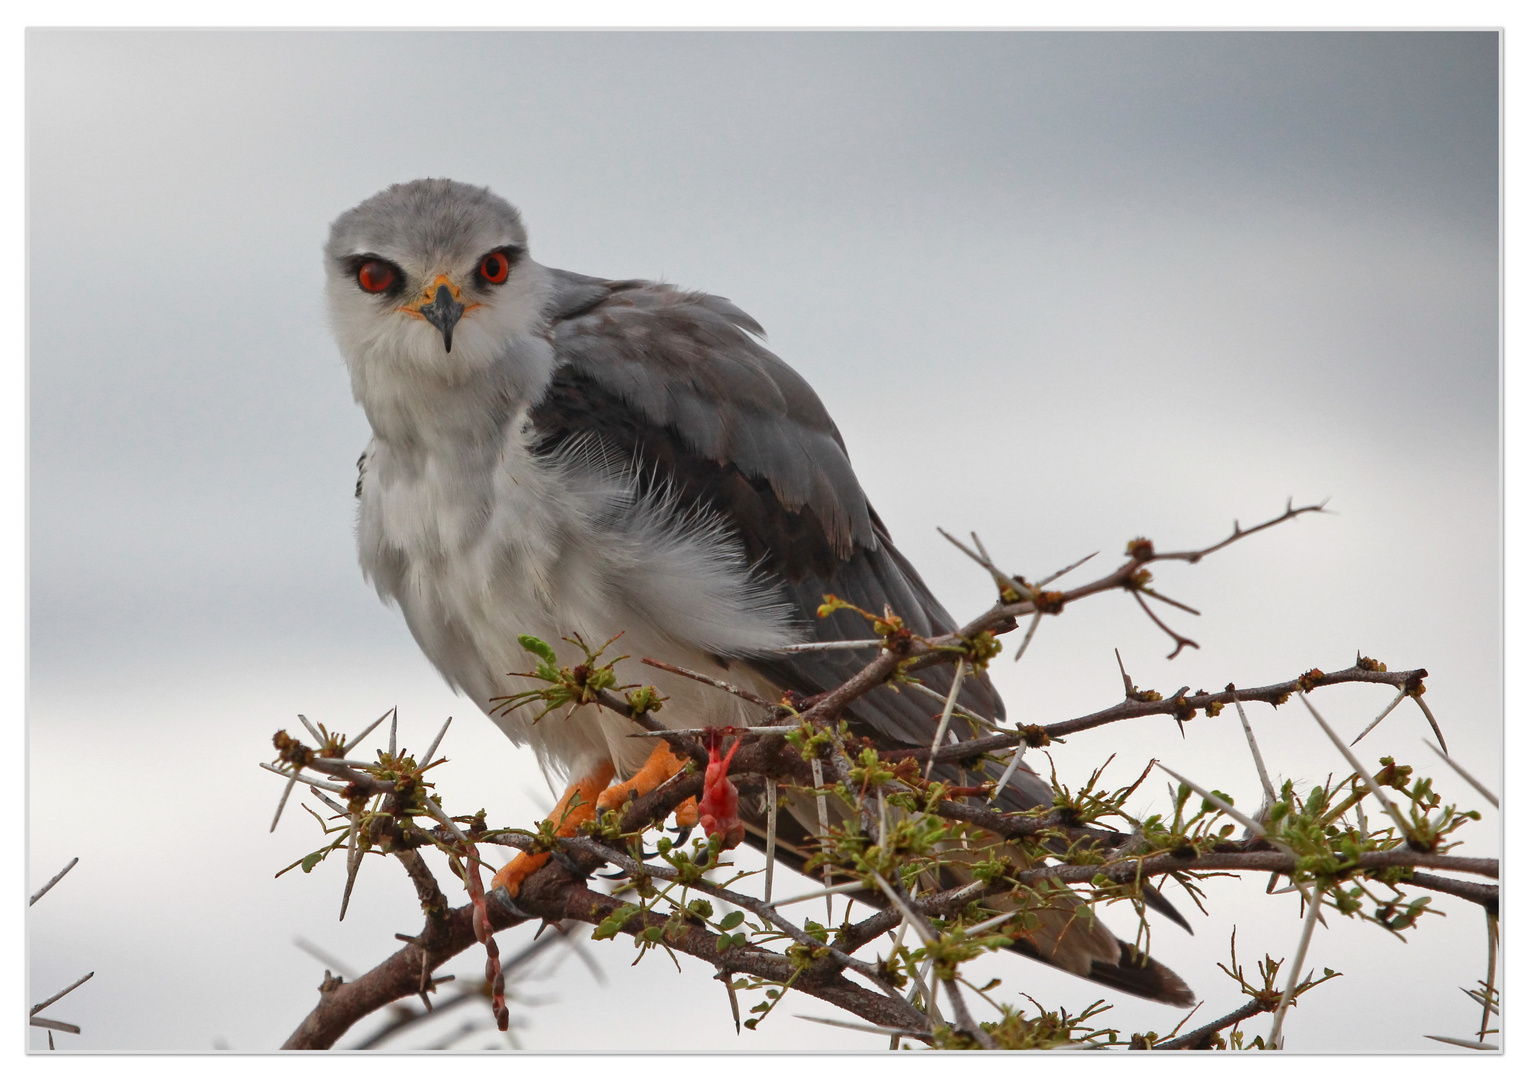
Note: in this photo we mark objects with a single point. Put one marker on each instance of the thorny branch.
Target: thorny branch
(1308, 836)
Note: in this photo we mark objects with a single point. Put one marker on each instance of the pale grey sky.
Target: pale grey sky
(1061, 288)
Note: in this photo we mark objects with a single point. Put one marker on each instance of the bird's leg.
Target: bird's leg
(576, 806)
(718, 800)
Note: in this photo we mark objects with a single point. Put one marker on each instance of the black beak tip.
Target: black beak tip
(443, 312)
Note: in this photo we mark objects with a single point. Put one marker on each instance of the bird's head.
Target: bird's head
(430, 280)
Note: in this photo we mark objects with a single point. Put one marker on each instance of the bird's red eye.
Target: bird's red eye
(494, 267)
(376, 277)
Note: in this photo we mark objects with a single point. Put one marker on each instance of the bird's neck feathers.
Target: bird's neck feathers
(421, 398)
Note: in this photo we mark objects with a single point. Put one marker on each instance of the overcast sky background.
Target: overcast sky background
(1064, 289)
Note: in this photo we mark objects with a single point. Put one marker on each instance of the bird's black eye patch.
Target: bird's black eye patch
(494, 268)
(376, 275)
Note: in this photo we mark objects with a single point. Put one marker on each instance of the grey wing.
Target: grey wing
(677, 383)
(673, 382)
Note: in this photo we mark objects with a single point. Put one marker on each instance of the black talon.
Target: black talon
(501, 894)
(684, 834)
(614, 875)
(573, 867)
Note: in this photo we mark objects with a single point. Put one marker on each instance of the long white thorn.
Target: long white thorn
(1257, 755)
(1485, 792)
(944, 720)
(312, 781)
(286, 793)
(1432, 720)
(313, 731)
(827, 646)
(352, 863)
(822, 826)
(440, 815)
(367, 730)
(1390, 807)
(907, 913)
(818, 894)
(769, 840)
(1013, 766)
(429, 754)
(1029, 635)
(986, 564)
(874, 1029)
(967, 714)
(1492, 944)
(1063, 571)
(1400, 696)
(1217, 802)
(392, 735)
(1276, 1033)
(988, 924)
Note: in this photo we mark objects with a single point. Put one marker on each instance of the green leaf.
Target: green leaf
(730, 920)
(310, 861)
(612, 924)
(539, 647)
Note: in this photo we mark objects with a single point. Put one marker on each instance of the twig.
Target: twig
(75, 984)
(1199, 1037)
(1179, 641)
(1131, 709)
(1239, 533)
(736, 691)
(963, 1015)
(52, 881)
(1487, 896)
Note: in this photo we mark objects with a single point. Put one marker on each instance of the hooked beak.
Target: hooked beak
(441, 308)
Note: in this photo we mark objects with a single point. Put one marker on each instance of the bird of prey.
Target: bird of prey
(560, 455)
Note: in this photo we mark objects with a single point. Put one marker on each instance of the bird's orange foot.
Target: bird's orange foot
(576, 806)
(660, 765)
(718, 800)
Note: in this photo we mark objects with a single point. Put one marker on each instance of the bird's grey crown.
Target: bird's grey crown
(430, 221)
